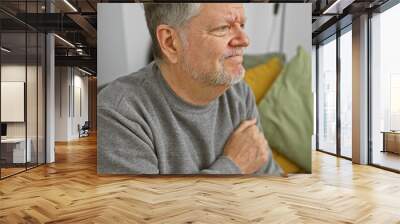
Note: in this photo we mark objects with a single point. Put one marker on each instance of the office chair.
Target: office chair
(84, 130)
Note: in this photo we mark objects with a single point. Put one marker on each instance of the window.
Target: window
(385, 88)
(327, 97)
(346, 94)
(394, 101)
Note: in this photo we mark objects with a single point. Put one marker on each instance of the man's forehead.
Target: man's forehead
(230, 11)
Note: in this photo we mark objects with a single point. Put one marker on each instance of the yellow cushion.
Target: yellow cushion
(286, 165)
(261, 77)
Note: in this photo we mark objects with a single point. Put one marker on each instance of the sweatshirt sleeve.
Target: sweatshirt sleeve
(271, 167)
(123, 146)
(223, 165)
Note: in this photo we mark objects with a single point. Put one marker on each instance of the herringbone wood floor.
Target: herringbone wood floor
(69, 191)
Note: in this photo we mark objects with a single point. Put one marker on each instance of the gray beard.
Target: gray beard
(219, 77)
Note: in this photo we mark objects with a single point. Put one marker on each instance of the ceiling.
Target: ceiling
(74, 21)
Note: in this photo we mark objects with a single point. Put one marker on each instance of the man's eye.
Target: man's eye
(220, 31)
(223, 28)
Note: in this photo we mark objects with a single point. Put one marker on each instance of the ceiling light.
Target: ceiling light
(71, 6)
(329, 9)
(338, 6)
(65, 41)
(86, 72)
(79, 51)
(5, 50)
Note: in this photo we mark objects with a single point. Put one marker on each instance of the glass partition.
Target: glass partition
(41, 87)
(32, 95)
(22, 77)
(14, 153)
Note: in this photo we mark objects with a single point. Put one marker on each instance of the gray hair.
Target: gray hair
(173, 14)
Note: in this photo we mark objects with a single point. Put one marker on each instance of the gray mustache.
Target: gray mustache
(234, 52)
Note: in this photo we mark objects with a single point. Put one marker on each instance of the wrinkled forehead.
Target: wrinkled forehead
(231, 12)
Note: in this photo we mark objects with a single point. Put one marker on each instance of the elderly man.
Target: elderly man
(189, 112)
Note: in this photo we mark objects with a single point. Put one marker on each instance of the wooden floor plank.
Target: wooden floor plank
(70, 191)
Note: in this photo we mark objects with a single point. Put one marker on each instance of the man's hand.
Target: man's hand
(247, 147)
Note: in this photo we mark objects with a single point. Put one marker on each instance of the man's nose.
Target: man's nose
(240, 39)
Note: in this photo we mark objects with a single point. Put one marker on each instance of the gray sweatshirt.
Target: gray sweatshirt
(145, 128)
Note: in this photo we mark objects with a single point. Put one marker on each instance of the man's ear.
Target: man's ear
(168, 40)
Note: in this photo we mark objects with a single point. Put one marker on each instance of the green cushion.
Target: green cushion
(286, 111)
(251, 61)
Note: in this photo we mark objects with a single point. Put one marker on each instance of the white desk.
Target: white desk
(18, 149)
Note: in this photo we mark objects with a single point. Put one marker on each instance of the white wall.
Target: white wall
(16, 72)
(297, 28)
(123, 40)
(264, 28)
(69, 79)
(61, 103)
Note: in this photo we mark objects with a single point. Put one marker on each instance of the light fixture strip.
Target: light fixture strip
(331, 7)
(5, 50)
(65, 41)
(86, 72)
(70, 5)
